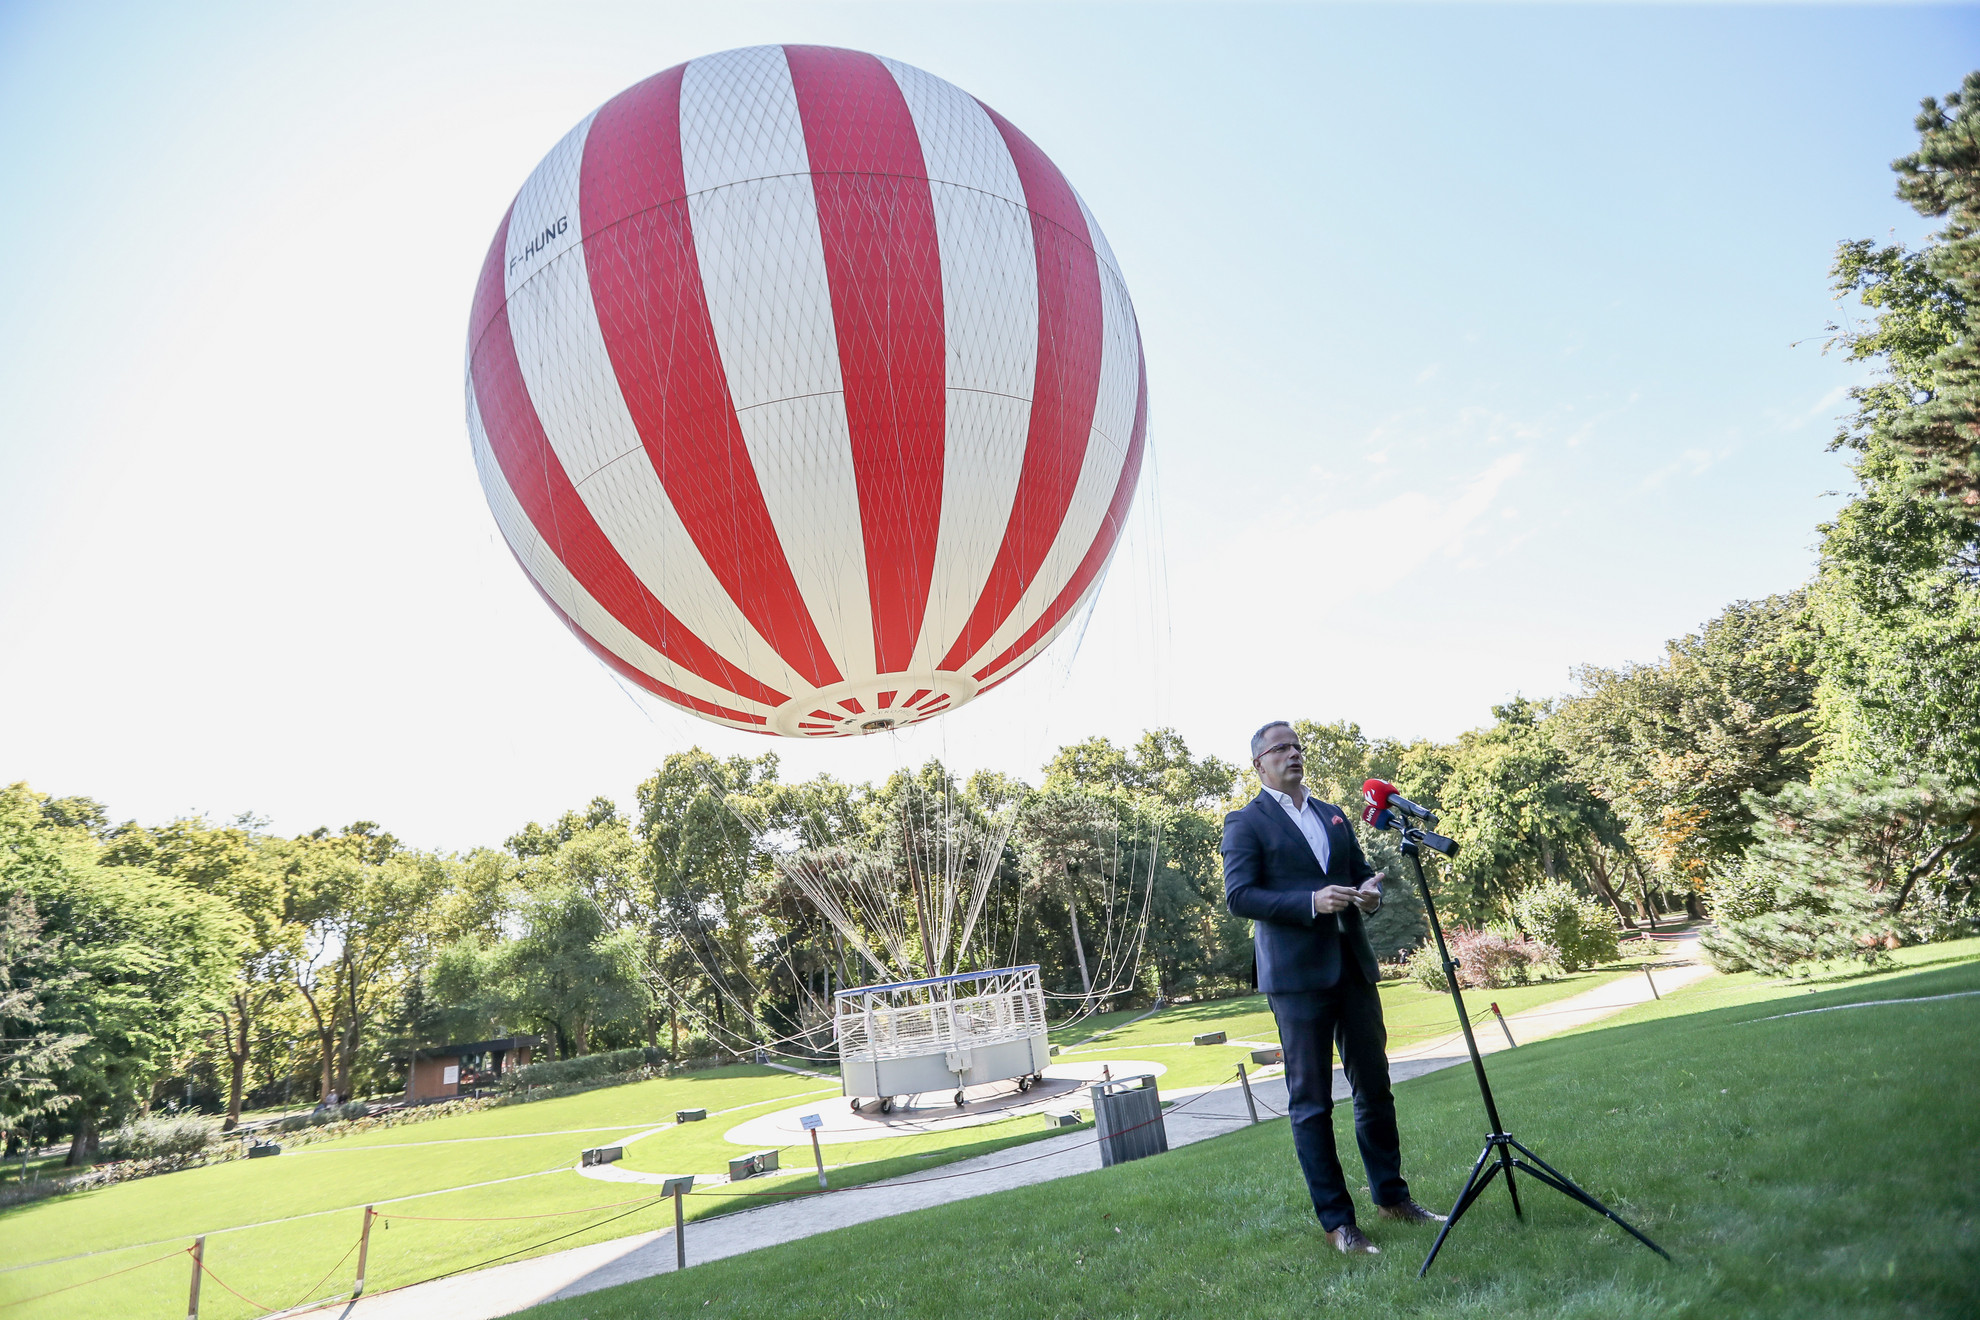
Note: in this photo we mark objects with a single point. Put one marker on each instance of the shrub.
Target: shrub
(1847, 869)
(152, 1138)
(1486, 959)
(293, 1123)
(583, 1068)
(353, 1109)
(1582, 931)
(1424, 965)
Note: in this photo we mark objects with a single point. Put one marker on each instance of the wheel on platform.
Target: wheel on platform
(959, 1099)
(886, 1104)
(1024, 1084)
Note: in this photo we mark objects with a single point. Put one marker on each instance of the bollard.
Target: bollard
(1245, 1082)
(1652, 980)
(364, 1250)
(1510, 1042)
(199, 1264)
(818, 1157)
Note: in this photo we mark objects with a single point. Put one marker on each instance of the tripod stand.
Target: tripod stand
(1498, 1156)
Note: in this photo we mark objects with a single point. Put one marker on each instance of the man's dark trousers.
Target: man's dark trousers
(1309, 1023)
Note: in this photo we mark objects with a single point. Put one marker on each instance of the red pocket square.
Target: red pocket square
(1339, 821)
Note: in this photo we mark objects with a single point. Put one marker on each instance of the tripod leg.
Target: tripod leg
(1506, 1163)
(1560, 1182)
(1473, 1185)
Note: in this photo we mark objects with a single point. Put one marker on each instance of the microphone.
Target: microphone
(1378, 818)
(1382, 795)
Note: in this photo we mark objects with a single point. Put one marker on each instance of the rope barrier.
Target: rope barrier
(498, 1219)
(67, 1287)
(207, 1270)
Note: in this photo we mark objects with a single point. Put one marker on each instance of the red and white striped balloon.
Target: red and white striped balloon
(806, 390)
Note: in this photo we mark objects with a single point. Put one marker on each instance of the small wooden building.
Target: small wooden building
(445, 1071)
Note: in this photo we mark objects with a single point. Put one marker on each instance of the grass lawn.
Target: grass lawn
(315, 1192)
(1822, 1165)
(1413, 1015)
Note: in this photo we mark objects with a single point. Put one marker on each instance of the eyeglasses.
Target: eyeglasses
(1276, 748)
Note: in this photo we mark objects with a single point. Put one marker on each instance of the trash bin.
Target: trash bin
(1127, 1114)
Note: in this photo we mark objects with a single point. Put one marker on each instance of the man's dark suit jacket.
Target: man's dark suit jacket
(1270, 874)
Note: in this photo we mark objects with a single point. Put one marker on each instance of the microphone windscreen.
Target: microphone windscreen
(1378, 818)
(1376, 792)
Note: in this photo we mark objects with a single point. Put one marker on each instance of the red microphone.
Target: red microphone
(1382, 795)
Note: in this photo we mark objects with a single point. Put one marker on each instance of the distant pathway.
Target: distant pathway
(1199, 1113)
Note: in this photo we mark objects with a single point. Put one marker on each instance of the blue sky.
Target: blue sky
(1472, 339)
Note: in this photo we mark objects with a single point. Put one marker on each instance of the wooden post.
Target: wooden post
(818, 1156)
(1245, 1082)
(680, 1231)
(1652, 980)
(199, 1267)
(364, 1250)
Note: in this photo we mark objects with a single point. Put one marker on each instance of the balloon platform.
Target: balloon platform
(1064, 1087)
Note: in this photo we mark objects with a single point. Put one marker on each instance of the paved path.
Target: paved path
(1199, 1113)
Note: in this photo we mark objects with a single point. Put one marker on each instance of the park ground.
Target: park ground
(1628, 1108)
(1821, 1164)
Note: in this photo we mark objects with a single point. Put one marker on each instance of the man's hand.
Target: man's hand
(1334, 898)
(1369, 897)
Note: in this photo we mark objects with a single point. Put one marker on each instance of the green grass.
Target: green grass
(316, 1190)
(1412, 1013)
(1826, 1165)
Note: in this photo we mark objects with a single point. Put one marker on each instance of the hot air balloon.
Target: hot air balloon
(806, 391)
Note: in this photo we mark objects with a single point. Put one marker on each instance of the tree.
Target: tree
(567, 973)
(33, 971)
(705, 870)
(367, 905)
(1898, 592)
(140, 961)
(1675, 747)
(1519, 812)
(1835, 866)
(1940, 429)
(229, 864)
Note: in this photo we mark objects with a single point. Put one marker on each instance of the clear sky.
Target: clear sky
(1471, 337)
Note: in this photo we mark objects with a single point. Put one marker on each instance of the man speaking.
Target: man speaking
(1293, 865)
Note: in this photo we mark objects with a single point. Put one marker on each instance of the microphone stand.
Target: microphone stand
(1498, 1156)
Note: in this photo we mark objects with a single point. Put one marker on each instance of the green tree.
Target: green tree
(229, 864)
(568, 973)
(1835, 865)
(1519, 812)
(34, 970)
(141, 962)
(367, 905)
(1940, 427)
(1898, 592)
(697, 819)
(1675, 747)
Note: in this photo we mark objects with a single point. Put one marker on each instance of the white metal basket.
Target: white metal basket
(910, 1037)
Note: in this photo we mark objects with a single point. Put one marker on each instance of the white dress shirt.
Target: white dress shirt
(1307, 818)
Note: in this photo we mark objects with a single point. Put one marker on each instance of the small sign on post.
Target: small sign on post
(677, 1188)
(811, 1123)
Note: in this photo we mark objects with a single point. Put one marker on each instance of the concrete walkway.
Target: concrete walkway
(1198, 1114)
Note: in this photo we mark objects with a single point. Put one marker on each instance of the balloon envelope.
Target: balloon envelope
(806, 390)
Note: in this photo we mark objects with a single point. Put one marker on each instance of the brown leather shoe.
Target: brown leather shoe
(1351, 1241)
(1407, 1211)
